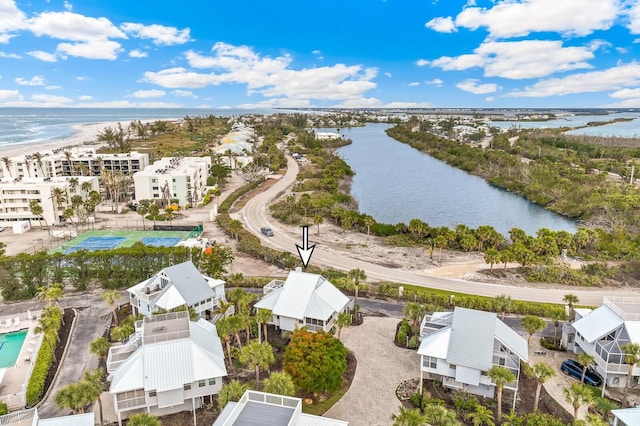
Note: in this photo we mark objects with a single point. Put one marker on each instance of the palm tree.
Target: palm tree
(356, 275)
(500, 376)
(257, 355)
(556, 315)
(318, 220)
(75, 396)
(38, 157)
(235, 226)
(542, 371)
(481, 416)
(438, 415)
(492, 256)
(120, 332)
(570, 300)
(533, 325)
(236, 324)
(503, 304)
(110, 297)
(60, 195)
(632, 357)
(144, 419)
(414, 312)
(223, 326)
(100, 347)
(263, 316)
(96, 379)
(279, 383)
(232, 391)
(586, 360)
(67, 156)
(343, 320)
(154, 210)
(408, 417)
(576, 395)
(7, 164)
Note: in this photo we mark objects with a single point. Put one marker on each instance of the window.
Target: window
(152, 393)
(187, 387)
(501, 361)
(429, 361)
(202, 383)
(452, 366)
(212, 381)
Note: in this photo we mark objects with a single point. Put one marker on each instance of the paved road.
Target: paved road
(253, 215)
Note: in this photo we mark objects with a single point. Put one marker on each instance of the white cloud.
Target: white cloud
(436, 82)
(36, 80)
(51, 100)
(185, 93)
(388, 74)
(413, 84)
(521, 59)
(43, 56)
(159, 34)
(422, 62)
(614, 78)
(68, 5)
(515, 18)
(138, 54)
(633, 14)
(53, 87)
(442, 25)
(93, 49)
(489, 99)
(10, 96)
(85, 98)
(74, 27)
(471, 85)
(270, 77)
(10, 55)
(153, 93)
(626, 93)
(12, 20)
(317, 52)
(81, 78)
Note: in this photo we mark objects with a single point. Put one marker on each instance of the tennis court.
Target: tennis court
(111, 239)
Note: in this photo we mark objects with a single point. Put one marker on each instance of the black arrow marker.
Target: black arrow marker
(305, 251)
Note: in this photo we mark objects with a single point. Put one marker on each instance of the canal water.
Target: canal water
(396, 183)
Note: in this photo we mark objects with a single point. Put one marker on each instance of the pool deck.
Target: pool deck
(13, 385)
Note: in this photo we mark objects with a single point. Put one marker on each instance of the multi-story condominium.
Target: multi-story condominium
(176, 286)
(236, 148)
(73, 162)
(603, 333)
(170, 364)
(181, 178)
(303, 300)
(459, 348)
(52, 193)
(267, 409)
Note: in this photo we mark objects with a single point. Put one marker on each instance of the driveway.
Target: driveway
(382, 366)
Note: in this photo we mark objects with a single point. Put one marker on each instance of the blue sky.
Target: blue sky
(348, 53)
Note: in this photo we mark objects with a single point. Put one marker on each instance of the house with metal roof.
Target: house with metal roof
(303, 300)
(459, 348)
(176, 286)
(626, 417)
(267, 409)
(30, 417)
(170, 364)
(602, 334)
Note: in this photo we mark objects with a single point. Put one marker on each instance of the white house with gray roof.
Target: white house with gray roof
(459, 348)
(170, 364)
(625, 417)
(303, 300)
(176, 286)
(267, 409)
(603, 332)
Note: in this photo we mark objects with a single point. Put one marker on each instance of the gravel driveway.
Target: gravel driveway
(382, 366)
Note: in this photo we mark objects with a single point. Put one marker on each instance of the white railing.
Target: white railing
(273, 285)
(613, 302)
(19, 417)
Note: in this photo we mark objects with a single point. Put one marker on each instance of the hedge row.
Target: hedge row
(44, 361)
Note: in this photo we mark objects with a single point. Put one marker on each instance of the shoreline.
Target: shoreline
(86, 134)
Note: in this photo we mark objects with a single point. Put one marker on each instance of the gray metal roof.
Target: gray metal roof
(189, 282)
(472, 336)
(257, 414)
(598, 323)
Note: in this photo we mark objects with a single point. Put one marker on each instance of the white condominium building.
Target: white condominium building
(16, 194)
(73, 162)
(182, 178)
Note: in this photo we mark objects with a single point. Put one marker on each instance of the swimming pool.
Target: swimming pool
(10, 345)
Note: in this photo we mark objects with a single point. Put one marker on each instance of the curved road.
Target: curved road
(254, 216)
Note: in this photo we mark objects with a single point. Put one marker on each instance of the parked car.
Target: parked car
(266, 231)
(574, 369)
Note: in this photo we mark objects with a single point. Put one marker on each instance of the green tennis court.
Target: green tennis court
(111, 239)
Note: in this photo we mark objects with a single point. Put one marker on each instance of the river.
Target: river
(396, 183)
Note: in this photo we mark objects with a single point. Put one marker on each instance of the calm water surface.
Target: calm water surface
(396, 183)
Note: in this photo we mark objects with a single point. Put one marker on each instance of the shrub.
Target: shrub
(414, 343)
(4, 408)
(43, 364)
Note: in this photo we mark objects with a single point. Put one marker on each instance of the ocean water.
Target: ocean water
(29, 126)
(622, 129)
